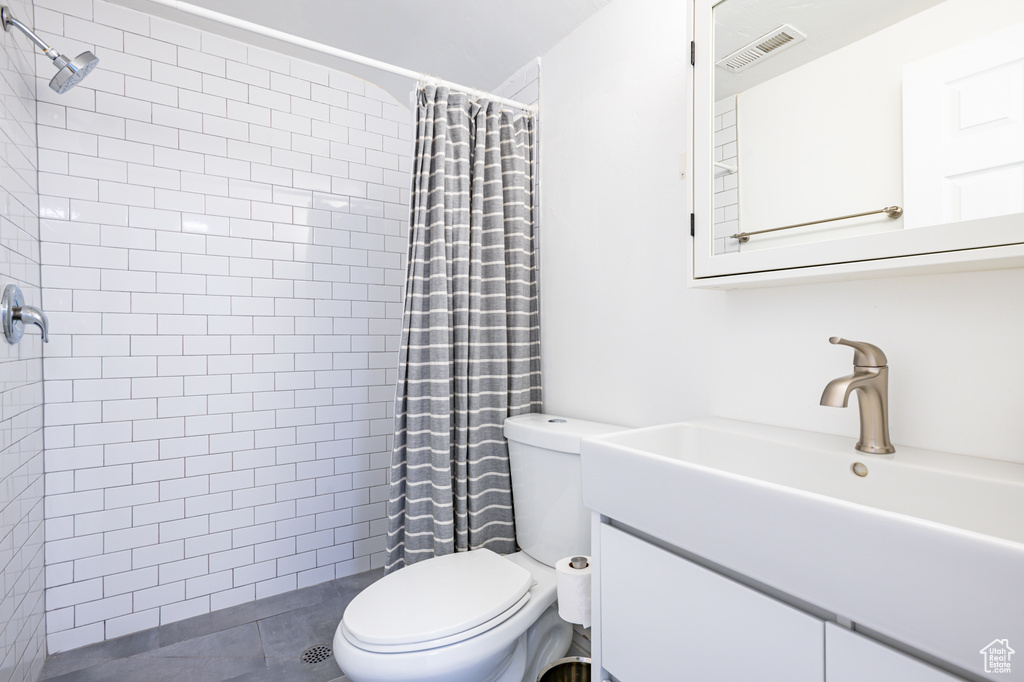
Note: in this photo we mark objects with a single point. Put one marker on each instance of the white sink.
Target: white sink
(926, 549)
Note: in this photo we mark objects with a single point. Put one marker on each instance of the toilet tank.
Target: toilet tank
(547, 492)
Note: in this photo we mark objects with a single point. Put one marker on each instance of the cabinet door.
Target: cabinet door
(850, 657)
(666, 618)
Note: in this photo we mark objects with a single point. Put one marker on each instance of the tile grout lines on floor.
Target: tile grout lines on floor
(219, 646)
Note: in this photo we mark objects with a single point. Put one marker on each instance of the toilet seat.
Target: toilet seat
(436, 643)
(437, 602)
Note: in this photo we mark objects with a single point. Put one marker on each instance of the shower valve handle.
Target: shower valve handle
(15, 314)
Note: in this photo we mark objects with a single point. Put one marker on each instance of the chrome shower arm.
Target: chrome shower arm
(9, 20)
(69, 71)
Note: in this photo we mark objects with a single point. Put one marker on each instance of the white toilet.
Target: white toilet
(477, 616)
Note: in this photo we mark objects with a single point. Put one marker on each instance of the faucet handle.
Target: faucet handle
(14, 314)
(27, 313)
(864, 354)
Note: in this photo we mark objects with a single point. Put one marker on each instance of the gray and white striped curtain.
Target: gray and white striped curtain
(470, 353)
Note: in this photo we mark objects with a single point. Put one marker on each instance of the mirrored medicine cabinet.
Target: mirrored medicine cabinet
(856, 138)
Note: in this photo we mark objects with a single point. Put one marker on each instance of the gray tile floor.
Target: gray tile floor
(256, 642)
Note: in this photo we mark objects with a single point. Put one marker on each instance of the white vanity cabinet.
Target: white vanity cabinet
(666, 618)
(663, 617)
(855, 658)
(781, 517)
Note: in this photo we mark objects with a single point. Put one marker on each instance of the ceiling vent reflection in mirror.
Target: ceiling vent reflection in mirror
(765, 46)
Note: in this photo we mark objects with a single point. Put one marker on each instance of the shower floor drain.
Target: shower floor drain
(316, 654)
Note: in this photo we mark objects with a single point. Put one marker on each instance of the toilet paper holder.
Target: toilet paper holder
(579, 562)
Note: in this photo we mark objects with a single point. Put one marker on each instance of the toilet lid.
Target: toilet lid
(437, 598)
(435, 643)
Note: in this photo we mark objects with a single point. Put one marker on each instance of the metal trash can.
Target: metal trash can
(572, 669)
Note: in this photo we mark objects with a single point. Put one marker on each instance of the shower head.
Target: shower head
(72, 71)
(69, 71)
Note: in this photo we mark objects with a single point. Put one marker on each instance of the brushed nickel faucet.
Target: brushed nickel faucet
(870, 377)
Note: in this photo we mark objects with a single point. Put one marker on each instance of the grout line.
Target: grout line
(263, 651)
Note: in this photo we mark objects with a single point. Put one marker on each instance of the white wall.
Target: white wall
(22, 646)
(625, 341)
(223, 238)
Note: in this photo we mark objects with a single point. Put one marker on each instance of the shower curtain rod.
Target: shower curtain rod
(333, 51)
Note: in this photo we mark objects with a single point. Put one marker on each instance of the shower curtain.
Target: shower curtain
(470, 350)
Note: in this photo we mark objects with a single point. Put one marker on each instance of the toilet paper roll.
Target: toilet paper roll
(573, 591)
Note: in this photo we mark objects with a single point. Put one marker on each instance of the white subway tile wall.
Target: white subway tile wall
(223, 243)
(22, 645)
(726, 189)
(522, 86)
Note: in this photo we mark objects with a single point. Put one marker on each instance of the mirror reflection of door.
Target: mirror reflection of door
(964, 131)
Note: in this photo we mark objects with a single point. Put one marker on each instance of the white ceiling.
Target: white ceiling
(828, 24)
(477, 43)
